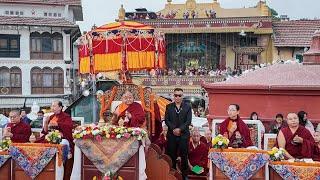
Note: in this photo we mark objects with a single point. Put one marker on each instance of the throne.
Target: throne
(111, 98)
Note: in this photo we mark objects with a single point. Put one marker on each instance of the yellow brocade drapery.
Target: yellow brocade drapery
(112, 61)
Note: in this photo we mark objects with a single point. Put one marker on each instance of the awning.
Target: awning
(45, 101)
(11, 102)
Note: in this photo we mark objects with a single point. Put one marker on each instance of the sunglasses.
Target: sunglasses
(178, 95)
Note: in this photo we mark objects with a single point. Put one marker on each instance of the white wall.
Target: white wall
(25, 64)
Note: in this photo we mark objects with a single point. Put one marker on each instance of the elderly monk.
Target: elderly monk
(129, 111)
(162, 140)
(16, 130)
(316, 153)
(295, 139)
(198, 152)
(235, 129)
(207, 139)
(60, 121)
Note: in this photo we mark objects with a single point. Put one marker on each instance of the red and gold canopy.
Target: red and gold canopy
(122, 46)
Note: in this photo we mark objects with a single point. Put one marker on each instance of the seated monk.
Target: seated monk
(295, 139)
(198, 153)
(235, 129)
(60, 121)
(207, 139)
(16, 130)
(162, 140)
(316, 153)
(129, 111)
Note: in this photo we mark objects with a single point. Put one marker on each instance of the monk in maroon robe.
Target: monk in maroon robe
(158, 123)
(16, 130)
(130, 112)
(60, 121)
(295, 139)
(316, 152)
(198, 153)
(162, 140)
(207, 139)
(235, 129)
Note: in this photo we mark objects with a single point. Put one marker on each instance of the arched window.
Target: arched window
(15, 80)
(10, 80)
(58, 80)
(46, 46)
(47, 81)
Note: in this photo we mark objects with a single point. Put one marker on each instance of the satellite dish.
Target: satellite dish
(242, 33)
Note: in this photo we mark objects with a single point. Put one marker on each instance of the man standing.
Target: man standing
(235, 129)
(60, 121)
(16, 130)
(24, 117)
(178, 118)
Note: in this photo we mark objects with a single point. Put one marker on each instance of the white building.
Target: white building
(36, 49)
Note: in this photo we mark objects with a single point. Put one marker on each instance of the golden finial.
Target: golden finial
(122, 13)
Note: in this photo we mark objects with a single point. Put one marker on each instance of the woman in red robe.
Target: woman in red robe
(235, 129)
(295, 139)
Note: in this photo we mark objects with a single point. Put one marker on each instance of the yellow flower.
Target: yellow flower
(107, 135)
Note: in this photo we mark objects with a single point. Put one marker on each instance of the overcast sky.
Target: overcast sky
(100, 12)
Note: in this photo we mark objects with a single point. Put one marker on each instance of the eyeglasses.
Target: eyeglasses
(12, 117)
(178, 95)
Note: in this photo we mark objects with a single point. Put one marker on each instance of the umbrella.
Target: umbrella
(124, 46)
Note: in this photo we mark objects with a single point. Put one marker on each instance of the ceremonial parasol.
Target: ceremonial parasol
(121, 46)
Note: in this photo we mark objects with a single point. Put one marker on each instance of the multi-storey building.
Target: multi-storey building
(36, 50)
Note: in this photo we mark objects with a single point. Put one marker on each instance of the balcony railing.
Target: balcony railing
(181, 80)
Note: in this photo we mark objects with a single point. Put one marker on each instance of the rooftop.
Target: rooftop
(45, 2)
(295, 33)
(35, 21)
(280, 75)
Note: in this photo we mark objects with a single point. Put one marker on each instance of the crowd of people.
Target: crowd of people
(192, 71)
(177, 138)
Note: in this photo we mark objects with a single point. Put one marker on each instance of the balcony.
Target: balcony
(180, 80)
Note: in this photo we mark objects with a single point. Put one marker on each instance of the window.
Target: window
(45, 14)
(9, 45)
(54, 14)
(50, 14)
(10, 80)
(47, 81)
(21, 13)
(7, 12)
(46, 46)
(59, 14)
(11, 13)
(253, 57)
(17, 13)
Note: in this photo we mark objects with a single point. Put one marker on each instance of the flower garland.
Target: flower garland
(54, 137)
(220, 142)
(93, 131)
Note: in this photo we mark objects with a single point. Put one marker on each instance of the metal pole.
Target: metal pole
(94, 100)
(93, 80)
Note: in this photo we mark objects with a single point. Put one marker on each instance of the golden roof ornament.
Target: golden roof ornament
(122, 13)
(191, 5)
